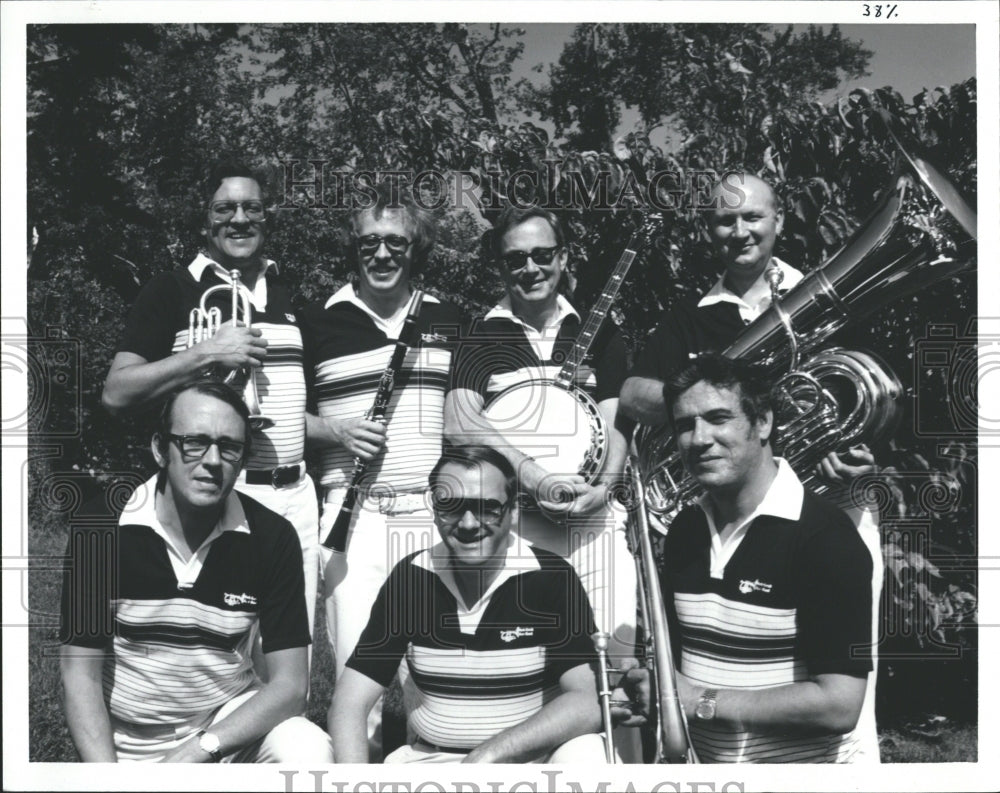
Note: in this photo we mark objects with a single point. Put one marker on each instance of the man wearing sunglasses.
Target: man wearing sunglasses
(154, 358)
(162, 598)
(350, 338)
(526, 337)
(496, 635)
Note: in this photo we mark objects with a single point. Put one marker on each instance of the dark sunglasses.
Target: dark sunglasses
(226, 210)
(515, 260)
(194, 447)
(370, 243)
(450, 510)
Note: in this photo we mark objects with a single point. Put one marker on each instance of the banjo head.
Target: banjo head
(562, 429)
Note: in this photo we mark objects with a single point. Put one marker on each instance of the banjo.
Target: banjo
(554, 419)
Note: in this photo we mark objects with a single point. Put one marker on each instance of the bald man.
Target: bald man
(743, 225)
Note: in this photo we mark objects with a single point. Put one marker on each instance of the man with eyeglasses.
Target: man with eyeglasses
(154, 356)
(496, 635)
(526, 337)
(350, 339)
(162, 597)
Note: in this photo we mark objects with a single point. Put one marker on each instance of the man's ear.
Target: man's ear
(159, 448)
(779, 223)
(765, 427)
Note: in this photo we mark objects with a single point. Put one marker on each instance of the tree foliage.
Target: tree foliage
(124, 120)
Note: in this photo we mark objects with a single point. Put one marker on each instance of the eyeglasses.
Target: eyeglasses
(194, 447)
(488, 511)
(515, 260)
(369, 244)
(226, 210)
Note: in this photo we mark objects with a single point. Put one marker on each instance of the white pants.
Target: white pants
(295, 740)
(297, 504)
(597, 548)
(376, 542)
(595, 545)
(584, 749)
(867, 523)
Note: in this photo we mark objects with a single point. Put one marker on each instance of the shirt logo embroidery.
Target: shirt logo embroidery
(239, 600)
(754, 586)
(510, 635)
(290, 317)
(433, 337)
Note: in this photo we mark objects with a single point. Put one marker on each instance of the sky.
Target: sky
(907, 57)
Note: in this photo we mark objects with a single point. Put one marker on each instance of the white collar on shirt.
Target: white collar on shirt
(141, 510)
(504, 310)
(259, 291)
(437, 560)
(391, 326)
(757, 298)
(783, 499)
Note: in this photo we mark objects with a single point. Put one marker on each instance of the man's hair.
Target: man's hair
(470, 457)
(229, 169)
(395, 197)
(738, 176)
(213, 388)
(749, 381)
(514, 216)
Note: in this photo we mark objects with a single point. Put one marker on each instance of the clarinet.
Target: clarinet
(337, 538)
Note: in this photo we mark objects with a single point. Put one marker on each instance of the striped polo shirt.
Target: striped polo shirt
(482, 669)
(501, 350)
(788, 596)
(178, 633)
(157, 326)
(349, 347)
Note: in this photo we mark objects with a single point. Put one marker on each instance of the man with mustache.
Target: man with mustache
(153, 356)
(767, 588)
(350, 339)
(525, 337)
(496, 634)
(163, 596)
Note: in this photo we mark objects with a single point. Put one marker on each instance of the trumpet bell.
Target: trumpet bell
(204, 322)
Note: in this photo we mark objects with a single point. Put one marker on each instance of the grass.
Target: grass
(933, 740)
(49, 739)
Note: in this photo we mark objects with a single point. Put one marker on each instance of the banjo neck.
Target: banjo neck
(585, 338)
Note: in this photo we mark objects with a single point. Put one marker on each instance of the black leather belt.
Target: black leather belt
(276, 477)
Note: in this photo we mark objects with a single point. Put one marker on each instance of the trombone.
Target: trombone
(204, 323)
(673, 740)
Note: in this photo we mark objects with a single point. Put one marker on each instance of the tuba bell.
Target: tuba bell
(829, 399)
(204, 322)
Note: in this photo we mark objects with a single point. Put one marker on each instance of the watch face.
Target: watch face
(209, 742)
(705, 709)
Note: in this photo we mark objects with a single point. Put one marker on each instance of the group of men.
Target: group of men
(472, 573)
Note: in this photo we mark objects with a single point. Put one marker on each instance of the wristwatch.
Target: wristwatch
(209, 742)
(705, 710)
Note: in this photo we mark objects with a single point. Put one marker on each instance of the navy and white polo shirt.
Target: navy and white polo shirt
(179, 633)
(478, 670)
(789, 600)
(349, 347)
(501, 351)
(157, 326)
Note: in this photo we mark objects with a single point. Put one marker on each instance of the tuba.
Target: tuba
(829, 399)
(204, 322)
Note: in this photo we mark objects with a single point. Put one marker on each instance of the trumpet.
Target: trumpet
(204, 323)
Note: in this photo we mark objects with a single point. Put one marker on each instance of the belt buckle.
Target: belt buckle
(277, 474)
